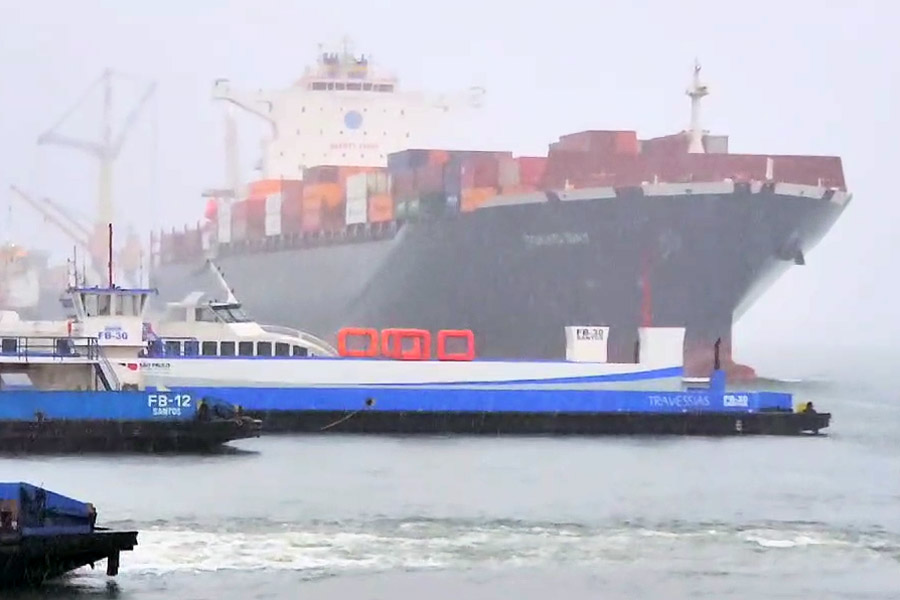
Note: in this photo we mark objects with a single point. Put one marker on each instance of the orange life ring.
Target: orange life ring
(371, 350)
(465, 334)
(392, 344)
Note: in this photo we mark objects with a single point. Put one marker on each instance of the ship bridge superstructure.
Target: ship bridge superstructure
(344, 111)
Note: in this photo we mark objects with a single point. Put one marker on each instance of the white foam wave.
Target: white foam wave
(435, 545)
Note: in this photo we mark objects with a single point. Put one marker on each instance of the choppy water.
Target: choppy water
(496, 518)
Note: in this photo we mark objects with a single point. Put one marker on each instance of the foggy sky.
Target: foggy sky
(785, 77)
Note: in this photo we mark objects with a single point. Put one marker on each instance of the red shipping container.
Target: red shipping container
(480, 171)
(627, 143)
(311, 220)
(531, 169)
(256, 218)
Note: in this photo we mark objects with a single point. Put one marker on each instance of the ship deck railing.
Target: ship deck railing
(49, 349)
(306, 337)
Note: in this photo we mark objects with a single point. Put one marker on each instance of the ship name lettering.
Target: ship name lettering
(164, 402)
(736, 400)
(566, 238)
(679, 400)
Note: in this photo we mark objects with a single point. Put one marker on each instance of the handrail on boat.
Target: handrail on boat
(54, 346)
(306, 337)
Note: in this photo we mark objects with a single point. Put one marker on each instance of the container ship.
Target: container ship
(352, 223)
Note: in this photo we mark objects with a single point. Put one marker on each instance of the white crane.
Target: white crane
(108, 148)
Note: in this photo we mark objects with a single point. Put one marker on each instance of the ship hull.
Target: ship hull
(518, 274)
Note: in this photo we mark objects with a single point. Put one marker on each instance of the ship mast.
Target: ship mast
(696, 92)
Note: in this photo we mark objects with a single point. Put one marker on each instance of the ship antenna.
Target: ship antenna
(110, 250)
(696, 92)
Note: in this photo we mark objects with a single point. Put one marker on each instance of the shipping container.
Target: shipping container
(627, 143)
(356, 210)
(329, 194)
(357, 186)
(292, 214)
(334, 217)
(531, 170)
(381, 208)
(408, 159)
(473, 198)
(403, 184)
(508, 171)
(263, 188)
(273, 214)
(223, 232)
(321, 174)
(453, 177)
(378, 183)
(480, 171)
(256, 216)
(311, 220)
(429, 179)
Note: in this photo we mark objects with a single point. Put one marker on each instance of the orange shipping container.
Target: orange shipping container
(329, 194)
(473, 198)
(263, 188)
(381, 208)
(438, 157)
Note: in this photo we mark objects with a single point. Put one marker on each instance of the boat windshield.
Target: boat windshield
(231, 313)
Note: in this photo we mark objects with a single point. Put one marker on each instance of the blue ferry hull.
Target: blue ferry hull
(486, 410)
(120, 421)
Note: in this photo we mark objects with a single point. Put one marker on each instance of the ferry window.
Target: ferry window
(210, 349)
(173, 348)
(103, 305)
(245, 348)
(9, 345)
(318, 86)
(226, 349)
(264, 348)
(339, 86)
(300, 351)
(354, 86)
(191, 348)
(282, 349)
(367, 86)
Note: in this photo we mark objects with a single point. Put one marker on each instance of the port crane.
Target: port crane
(105, 150)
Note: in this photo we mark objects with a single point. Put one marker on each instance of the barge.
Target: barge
(44, 535)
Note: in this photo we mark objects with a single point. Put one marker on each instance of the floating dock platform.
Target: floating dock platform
(472, 409)
(44, 535)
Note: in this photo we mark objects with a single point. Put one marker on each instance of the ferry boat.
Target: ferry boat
(298, 383)
(61, 391)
